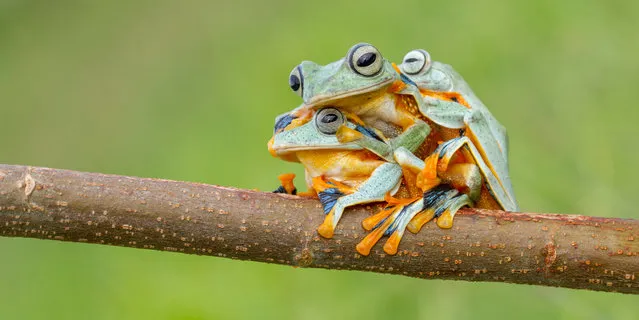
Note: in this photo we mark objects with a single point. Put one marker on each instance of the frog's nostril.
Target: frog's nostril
(282, 121)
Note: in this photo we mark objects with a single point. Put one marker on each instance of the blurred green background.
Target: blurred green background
(188, 90)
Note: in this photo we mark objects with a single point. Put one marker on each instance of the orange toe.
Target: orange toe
(445, 221)
(370, 222)
(287, 182)
(326, 229)
(391, 245)
(364, 247)
(420, 220)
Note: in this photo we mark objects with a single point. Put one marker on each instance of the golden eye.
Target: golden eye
(416, 61)
(295, 81)
(365, 59)
(328, 120)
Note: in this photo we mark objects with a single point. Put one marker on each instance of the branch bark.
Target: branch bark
(542, 249)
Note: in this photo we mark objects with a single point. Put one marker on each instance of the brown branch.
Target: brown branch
(543, 249)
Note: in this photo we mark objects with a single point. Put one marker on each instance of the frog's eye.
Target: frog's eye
(328, 120)
(415, 62)
(365, 59)
(296, 81)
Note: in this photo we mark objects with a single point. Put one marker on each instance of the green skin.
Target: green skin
(332, 83)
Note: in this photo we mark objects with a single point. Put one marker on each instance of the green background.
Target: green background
(188, 90)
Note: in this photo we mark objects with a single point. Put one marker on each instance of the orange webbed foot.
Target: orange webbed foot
(436, 201)
(364, 247)
(390, 221)
(286, 184)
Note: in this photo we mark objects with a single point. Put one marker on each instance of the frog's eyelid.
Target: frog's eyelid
(415, 62)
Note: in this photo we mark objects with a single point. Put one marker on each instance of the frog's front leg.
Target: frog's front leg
(385, 179)
(445, 152)
(410, 139)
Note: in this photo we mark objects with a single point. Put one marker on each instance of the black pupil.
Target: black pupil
(294, 82)
(409, 60)
(366, 59)
(329, 118)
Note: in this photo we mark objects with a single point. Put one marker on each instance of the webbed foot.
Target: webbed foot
(433, 204)
(286, 185)
(441, 202)
(389, 222)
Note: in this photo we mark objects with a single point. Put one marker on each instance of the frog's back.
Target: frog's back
(441, 81)
(456, 83)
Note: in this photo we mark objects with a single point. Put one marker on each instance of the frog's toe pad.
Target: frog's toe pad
(364, 247)
(445, 221)
(391, 245)
(327, 229)
(446, 213)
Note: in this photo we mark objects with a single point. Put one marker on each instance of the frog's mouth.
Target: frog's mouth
(288, 152)
(360, 98)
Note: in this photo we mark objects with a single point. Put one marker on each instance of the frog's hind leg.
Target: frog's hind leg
(447, 150)
(385, 179)
(458, 185)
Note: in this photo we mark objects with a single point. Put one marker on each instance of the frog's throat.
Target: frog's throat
(325, 99)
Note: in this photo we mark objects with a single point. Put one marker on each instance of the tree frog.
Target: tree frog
(342, 174)
(419, 110)
(451, 103)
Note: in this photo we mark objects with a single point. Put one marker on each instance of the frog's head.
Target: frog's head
(362, 73)
(427, 74)
(305, 129)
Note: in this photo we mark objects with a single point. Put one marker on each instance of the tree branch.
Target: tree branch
(543, 249)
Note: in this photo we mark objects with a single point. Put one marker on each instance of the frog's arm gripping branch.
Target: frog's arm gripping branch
(542, 249)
